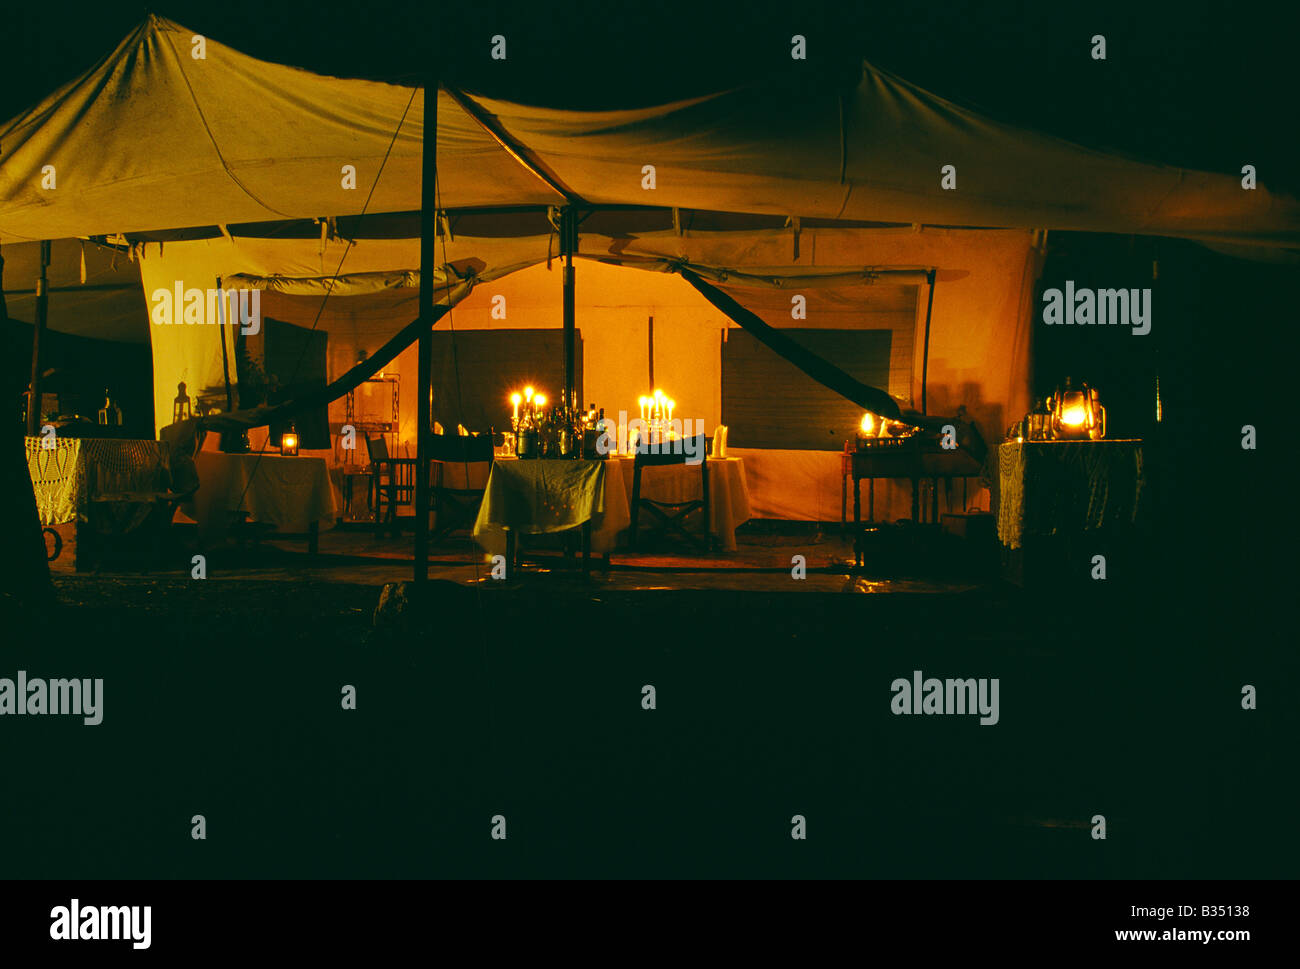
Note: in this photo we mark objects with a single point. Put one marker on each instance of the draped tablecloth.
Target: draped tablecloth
(291, 493)
(1051, 487)
(119, 480)
(728, 491)
(542, 496)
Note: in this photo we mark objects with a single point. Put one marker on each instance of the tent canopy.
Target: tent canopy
(228, 139)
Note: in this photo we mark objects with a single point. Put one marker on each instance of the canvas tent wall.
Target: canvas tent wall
(979, 338)
(95, 292)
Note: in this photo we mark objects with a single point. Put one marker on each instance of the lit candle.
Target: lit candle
(671, 405)
(515, 399)
(540, 400)
(528, 394)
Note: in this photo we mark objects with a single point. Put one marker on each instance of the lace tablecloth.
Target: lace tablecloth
(121, 479)
(1051, 487)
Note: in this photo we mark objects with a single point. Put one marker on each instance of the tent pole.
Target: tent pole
(568, 243)
(19, 517)
(650, 350)
(42, 312)
(225, 354)
(424, 378)
(925, 353)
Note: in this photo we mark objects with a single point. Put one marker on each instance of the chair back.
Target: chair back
(671, 452)
(376, 448)
(182, 441)
(461, 449)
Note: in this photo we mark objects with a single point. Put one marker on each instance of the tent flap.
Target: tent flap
(823, 371)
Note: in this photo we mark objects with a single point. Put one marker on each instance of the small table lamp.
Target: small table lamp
(289, 442)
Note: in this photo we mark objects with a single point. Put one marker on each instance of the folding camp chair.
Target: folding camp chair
(671, 516)
(393, 480)
(456, 508)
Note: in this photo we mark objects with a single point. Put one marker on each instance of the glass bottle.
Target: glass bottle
(110, 414)
(1038, 422)
(526, 445)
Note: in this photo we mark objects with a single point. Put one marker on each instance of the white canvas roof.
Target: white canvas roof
(153, 139)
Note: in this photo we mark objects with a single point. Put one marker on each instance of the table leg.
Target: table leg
(857, 519)
(844, 503)
(84, 557)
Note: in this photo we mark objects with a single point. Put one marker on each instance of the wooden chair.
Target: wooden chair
(393, 480)
(671, 515)
(456, 507)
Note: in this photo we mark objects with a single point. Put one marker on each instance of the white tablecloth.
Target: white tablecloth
(728, 491)
(290, 493)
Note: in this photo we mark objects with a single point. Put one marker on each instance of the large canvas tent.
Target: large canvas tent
(229, 168)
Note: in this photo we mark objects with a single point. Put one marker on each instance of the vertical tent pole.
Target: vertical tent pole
(568, 243)
(925, 356)
(650, 351)
(223, 324)
(19, 518)
(42, 311)
(423, 419)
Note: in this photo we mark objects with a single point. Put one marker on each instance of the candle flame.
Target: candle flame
(868, 424)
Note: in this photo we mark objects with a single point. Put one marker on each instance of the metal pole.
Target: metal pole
(650, 351)
(222, 328)
(42, 311)
(568, 243)
(424, 377)
(925, 357)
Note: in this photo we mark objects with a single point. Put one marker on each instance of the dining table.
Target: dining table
(610, 511)
(292, 493)
(543, 496)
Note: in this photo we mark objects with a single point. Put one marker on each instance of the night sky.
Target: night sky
(1195, 84)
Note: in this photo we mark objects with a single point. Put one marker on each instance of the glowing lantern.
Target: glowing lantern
(1077, 414)
(181, 410)
(289, 442)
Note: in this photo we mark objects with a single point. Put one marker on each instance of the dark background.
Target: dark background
(1191, 83)
(766, 708)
